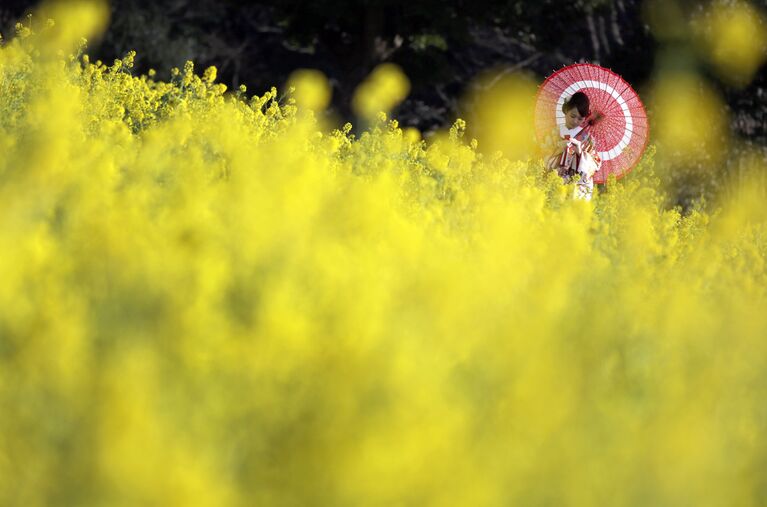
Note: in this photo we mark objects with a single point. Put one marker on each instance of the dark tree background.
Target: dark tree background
(441, 46)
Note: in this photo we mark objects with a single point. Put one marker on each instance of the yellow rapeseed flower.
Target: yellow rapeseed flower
(733, 36)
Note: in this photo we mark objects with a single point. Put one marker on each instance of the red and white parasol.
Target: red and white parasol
(621, 134)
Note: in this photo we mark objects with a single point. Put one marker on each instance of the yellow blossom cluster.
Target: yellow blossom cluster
(205, 300)
(732, 34)
(386, 87)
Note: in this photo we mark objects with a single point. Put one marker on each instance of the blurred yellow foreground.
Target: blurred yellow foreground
(206, 301)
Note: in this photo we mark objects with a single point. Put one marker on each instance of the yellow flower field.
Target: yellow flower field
(210, 299)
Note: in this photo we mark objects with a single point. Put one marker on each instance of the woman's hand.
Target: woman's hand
(578, 146)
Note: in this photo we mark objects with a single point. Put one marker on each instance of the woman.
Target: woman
(575, 154)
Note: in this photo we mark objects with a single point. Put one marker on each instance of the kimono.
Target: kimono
(570, 164)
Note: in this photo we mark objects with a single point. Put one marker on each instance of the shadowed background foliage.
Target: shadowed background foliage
(440, 46)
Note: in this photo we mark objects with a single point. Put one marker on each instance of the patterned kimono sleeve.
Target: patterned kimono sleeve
(592, 150)
(589, 161)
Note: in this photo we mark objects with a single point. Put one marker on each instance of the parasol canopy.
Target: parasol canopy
(621, 134)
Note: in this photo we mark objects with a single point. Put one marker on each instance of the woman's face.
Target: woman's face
(573, 118)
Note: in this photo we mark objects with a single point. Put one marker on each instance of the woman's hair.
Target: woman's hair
(579, 100)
